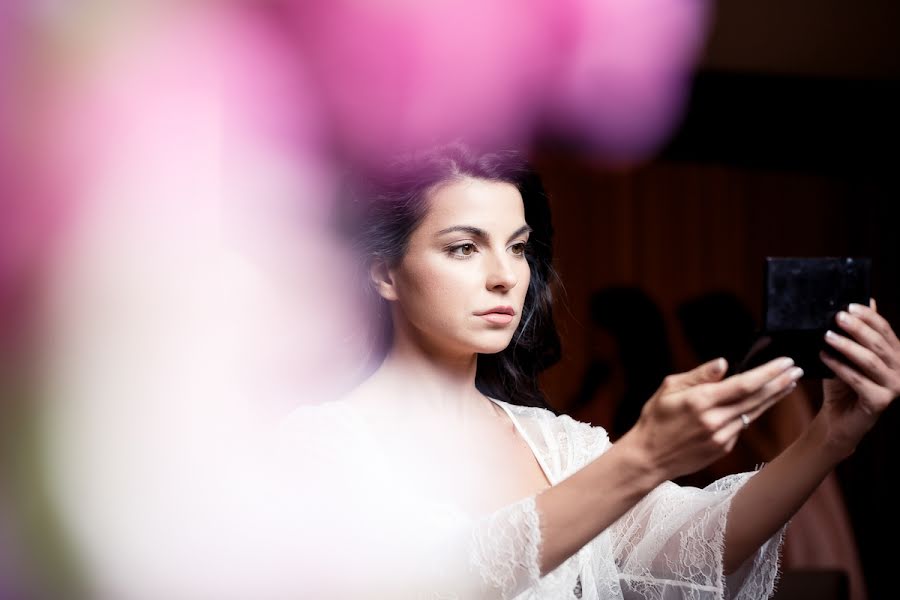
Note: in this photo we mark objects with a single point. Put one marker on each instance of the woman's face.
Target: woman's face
(461, 285)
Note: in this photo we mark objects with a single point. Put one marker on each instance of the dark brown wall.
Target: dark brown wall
(678, 229)
(681, 229)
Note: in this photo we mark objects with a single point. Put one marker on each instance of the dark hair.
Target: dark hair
(386, 206)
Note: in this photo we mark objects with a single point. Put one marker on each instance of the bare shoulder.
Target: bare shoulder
(547, 416)
(561, 434)
(358, 401)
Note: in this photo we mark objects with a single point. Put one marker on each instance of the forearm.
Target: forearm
(576, 510)
(772, 496)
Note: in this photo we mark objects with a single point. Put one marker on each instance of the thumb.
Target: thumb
(708, 372)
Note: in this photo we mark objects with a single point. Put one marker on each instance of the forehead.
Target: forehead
(476, 202)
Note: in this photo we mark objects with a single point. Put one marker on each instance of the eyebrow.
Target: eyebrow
(481, 233)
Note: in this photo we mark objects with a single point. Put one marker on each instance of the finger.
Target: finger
(873, 305)
(729, 433)
(735, 425)
(867, 361)
(758, 403)
(738, 387)
(771, 392)
(875, 321)
(868, 337)
(759, 410)
(862, 385)
(707, 372)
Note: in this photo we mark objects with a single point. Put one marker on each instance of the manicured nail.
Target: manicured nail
(856, 309)
(719, 365)
(796, 373)
(831, 335)
(786, 362)
(843, 317)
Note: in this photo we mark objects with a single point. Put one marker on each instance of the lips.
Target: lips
(498, 310)
(499, 315)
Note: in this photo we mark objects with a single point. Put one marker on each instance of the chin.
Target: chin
(498, 344)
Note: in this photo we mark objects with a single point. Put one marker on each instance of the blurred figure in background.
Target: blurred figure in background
(629, 357)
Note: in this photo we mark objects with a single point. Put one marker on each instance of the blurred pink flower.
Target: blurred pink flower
(400, 74)
(395, 74)
(623, 88)
(177, 170)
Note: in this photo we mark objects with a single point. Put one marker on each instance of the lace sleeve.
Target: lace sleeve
(491, 558)
(671, 545)
(506, 549)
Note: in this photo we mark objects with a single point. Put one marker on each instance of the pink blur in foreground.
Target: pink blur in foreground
(173, 167)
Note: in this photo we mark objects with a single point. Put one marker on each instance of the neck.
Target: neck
(424, 380)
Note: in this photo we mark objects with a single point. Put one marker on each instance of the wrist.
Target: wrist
(831, 447)
(639, 462)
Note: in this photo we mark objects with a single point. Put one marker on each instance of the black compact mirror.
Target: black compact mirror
(801, 298)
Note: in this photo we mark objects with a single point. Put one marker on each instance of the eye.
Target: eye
(463, 250)
(519, 248)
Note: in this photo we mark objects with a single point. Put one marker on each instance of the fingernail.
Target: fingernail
(854, 308)
(719, 366)
(786, 362)
(796, 373)
(831, 335)
(843, 317)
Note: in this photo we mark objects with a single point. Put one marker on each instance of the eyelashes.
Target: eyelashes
(468, 249)
(461, 250)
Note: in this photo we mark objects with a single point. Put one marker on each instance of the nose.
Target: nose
(501, 274)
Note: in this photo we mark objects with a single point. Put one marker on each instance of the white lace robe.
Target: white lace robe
(668, 546)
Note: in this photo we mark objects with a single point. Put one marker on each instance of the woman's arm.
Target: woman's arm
(576, 510)
(771, 497)
(687, 424)
(851, 405)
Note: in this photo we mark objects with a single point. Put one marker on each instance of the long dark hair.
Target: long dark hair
(384, 208)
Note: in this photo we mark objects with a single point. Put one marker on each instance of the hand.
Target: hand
(854, 399)
(694, 418)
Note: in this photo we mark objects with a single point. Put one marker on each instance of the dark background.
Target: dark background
(788, 148)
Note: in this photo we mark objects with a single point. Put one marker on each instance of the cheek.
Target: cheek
(430, 287)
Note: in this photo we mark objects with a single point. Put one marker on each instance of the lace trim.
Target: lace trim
(673, 582)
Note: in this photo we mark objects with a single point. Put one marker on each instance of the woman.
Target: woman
(526, 503)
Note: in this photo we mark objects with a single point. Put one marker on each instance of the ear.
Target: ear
(383, 280)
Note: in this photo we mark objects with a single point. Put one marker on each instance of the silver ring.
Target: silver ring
(745, 420)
